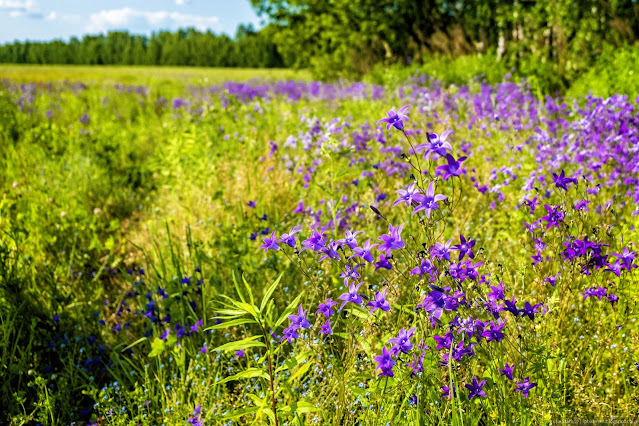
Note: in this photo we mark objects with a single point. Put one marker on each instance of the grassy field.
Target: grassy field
(170, 237)
(141, 75)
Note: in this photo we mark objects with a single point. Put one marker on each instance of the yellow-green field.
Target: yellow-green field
(186, 246)
(142, 75)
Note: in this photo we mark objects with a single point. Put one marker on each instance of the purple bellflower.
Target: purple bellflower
(395, 118)
(351, 295)
(429, 201)
(451, 169)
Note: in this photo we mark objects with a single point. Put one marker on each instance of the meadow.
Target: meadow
(202, 246)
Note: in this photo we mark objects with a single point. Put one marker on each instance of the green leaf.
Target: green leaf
(249, 373)
(240, 413)
(270, 414)
(269, 292)
(251, 309)
(157, 347)
(232, 323)
(257, 400)
(231, 312)
(292, 362)
(248, 288)
(302, 407)
(140, 340)
(237, 287)
(359, 312)
(300, 371)
(249, 342)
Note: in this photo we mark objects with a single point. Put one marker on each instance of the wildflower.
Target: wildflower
(383, 263)
(406, 195)
(240, 354)
(531, 204)
(626, 257)
(326, 308)
(289, 334)
(511, 306)
(429, 201)
(437, 144)
(385, 363)
(395, 119)
(351, 295)
(434, 304)
(315, 242)
(446, 392)
(330, 252)
(554, 217)
(525, 387)
(475, 389)
(424, 268)
(351, 272)
(365, 251)
(402, 342)
(195, 419)
(497, 293)
(196, 326)
(561, 181)
(459, 352)
(451, 169)
(392, 241)
(289, 238)
(326, 327)
(300, 208)
(530, 227)
(597, 292)
(349, 240)
(417, 364)
(582, 205)
(252, 204)
(299, 320)
(444, 342)
(552, 280)
(466, 247)
(507, 371)
(493, 308)
(379, 302)
(270, 243)
(537, 258)
(479, 328)
(539, 244)
(441, 251)
(615, 268)
(495, 332)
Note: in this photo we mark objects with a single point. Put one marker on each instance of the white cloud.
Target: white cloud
(140, 20)
(17, 8)
(17, 5)
(181, 2)
(51, 16)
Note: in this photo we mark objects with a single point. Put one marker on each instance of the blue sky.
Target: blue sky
(39, 20)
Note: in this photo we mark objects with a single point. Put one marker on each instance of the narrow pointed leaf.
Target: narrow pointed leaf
(269, 292)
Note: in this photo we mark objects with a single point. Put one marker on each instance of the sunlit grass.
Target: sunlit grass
(142, 75)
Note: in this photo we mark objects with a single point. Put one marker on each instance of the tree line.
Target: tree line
(188, 47)
(551, 40)
(556, 38)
